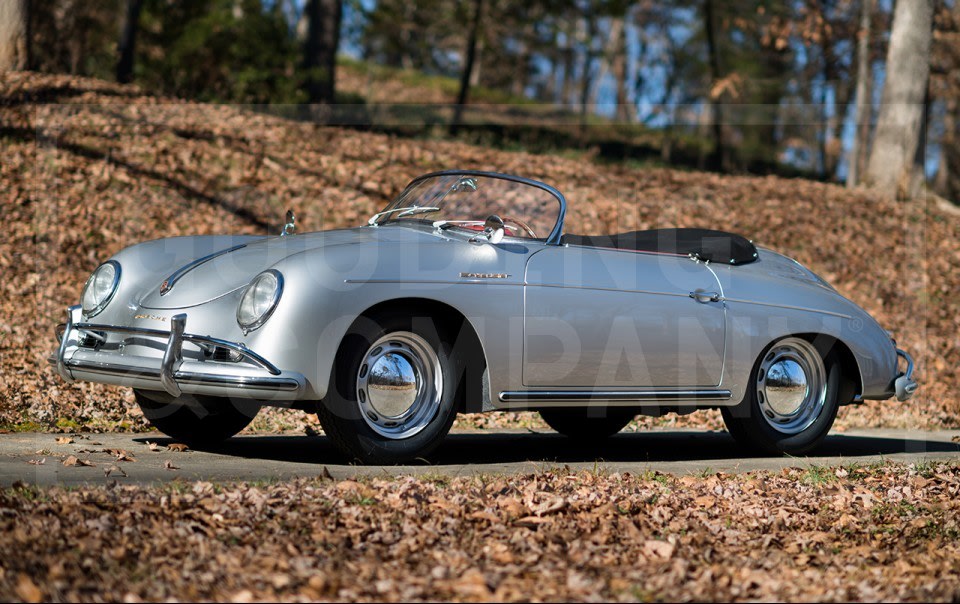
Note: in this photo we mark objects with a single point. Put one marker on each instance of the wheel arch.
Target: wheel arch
(473, 390)
(851, 380)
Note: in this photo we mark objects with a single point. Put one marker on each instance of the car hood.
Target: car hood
(226, 270)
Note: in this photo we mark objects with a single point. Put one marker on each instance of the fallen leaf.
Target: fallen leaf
(120, 454)
(531, 521)
(658, 549)
(37, 462)
(152, 445)
(27, 590)
(107, 471)
(169, 465)
(706, 501)
(550, 506)
(73, 460)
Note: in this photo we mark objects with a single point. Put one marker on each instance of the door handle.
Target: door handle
(704, 297)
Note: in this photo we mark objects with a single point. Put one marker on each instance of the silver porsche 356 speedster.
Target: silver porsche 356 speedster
(464, 295)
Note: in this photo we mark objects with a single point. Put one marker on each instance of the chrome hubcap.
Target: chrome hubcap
(791, 386)
(399, 384)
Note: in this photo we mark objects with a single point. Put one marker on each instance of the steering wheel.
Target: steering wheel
(523, 225)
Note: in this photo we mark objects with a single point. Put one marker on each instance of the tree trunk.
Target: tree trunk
(586, 81)
(861, 116)
(566, 90)
(947, 181)
(14, 23)
(128, 39)
(718, 158)
(626, 110)
(550, 87)
(320, 49)
(918, 175)
(902, 104)
(518, 87)
(477, 72)
(469, 57)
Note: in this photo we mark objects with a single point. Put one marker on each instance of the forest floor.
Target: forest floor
(877, 532)
(89, 167)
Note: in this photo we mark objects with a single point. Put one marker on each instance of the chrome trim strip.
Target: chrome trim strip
(61, 365)
(436, 282)
(677, 294)
(603, 396)
(172, 355)
(187, 337)
(787, 306)
(187, 377)
(170, 281)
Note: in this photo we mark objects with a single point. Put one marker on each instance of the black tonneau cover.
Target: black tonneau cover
(706, 244)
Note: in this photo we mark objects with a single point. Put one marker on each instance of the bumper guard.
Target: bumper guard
(171, 376)
(904, 385)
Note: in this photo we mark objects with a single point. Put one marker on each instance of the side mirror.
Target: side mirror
(493, 229)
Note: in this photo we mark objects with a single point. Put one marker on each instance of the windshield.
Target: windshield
(464, 200)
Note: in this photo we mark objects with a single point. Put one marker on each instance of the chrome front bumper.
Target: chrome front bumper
(254, 377)
(904, 385)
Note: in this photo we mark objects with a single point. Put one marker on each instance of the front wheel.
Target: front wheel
(791, 400)
(195, 419)
(393, 394)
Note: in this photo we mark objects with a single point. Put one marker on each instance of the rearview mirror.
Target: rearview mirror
(465, 184)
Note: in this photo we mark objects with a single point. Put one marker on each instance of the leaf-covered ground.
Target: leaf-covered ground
(89, 167)
(886, 532)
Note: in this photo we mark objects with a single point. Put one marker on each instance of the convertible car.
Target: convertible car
(465, 295)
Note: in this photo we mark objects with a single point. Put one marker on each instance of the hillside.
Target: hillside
(90, 167)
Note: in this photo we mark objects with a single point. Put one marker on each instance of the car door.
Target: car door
(600, 318)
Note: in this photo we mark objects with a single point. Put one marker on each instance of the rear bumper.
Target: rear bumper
(252, 377)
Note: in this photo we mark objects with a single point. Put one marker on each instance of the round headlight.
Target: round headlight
(259, 300)
(100, 288)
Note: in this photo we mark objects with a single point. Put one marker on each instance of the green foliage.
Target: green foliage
(218, 50)
(817, 476)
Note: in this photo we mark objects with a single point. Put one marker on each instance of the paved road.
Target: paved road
(271, 457)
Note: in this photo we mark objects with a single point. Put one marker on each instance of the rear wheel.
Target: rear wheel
(393, 395)
(791, 400)
(585, 424)
(195, 419)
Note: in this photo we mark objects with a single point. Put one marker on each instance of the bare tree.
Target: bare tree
(626, 110)
(864, 81)
(718, 159)
(320, 49)
(892, 159)
(587, 30)
(14, 22)
(468, 61)
(128, 39)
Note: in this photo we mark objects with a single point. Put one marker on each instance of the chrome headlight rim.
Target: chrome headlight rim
(102, 304)
(277, 294)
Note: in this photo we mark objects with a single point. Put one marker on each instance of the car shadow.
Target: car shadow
(513, 447)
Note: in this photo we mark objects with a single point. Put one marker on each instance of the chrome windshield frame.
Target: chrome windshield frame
(552, 239)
